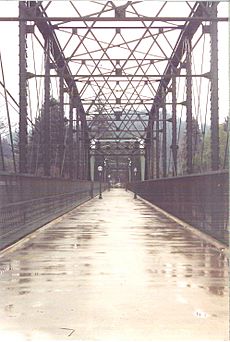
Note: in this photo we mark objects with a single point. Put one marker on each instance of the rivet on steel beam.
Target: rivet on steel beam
(29, 28)
(206, 29)
(177, 72)
(118, 72)
(183, 65)
(120, 12)
(52, 66)
(74, 103)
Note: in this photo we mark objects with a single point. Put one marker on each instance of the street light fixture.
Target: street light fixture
(100, 169)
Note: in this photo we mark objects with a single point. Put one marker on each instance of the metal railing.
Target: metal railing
(28, 202)
(200, 200)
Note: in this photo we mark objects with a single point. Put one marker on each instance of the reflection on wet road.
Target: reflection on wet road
(114, 269)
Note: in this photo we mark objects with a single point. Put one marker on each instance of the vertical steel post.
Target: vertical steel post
(61, 118)
(46, 127)
(216, 213)
(77, 144)
(147, 157)
(83, 149)
(2, 156)
(22, 90)
(164, 140)
(157, 143)
(80, 148)
(150, 147)
(87, 156)
(215, 162)
(189, 105)
(174, 126)
(70, 138)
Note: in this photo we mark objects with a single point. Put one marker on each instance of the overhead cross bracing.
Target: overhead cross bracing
(118, 71)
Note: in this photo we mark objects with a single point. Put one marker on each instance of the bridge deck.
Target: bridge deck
(114, 269)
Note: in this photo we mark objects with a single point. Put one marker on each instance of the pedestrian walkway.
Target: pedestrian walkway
(114, 269)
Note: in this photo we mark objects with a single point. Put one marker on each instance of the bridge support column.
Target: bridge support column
(174, 146)
(70, 139)
(164, 138)
(87, 157)
(46, 127)
(84, 153)
(189, 105)
(61, 123)
(22, 90)
(152, 151)
(214, 91)
(157, 154)
(77, 144)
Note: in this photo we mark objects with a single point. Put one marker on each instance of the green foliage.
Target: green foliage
(202, 148)
(37, 146)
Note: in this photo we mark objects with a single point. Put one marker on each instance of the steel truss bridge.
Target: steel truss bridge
(129, 86)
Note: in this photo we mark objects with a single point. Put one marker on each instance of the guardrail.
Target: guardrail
(28, 202)
(201, 200)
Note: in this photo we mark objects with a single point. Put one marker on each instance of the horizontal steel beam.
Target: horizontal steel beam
(128, 102)
(120, 103)
(109, 19)
(116, 140)
(120, 121)
(128, 76)
(116, 155)
(118, 27)
(118, 59)
(127, 131)
(30, 75)
(126, 114)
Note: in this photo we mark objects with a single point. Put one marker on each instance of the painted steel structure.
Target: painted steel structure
(116, 108)
(118, 73)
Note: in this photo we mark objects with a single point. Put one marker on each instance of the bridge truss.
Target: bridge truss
(110, 83)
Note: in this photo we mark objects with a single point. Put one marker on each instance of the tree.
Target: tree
(37, 145)
(202, 159)
(196, 148)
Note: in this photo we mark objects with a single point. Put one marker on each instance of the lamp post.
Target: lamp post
(129, 173)
(100, 169)
(109, 176)
(135, 178)
(105, 169)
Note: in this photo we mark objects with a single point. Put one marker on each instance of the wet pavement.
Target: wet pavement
(114, 270)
